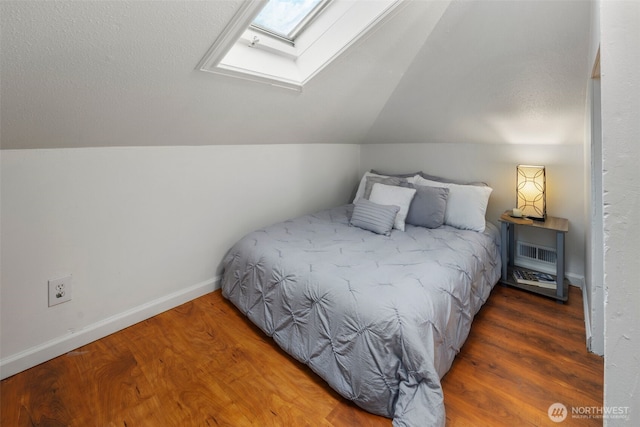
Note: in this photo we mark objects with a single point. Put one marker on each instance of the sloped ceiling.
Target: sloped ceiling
(122, 73)
(495, 72)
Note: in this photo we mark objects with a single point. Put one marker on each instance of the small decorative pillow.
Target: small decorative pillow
(428, 207)
(391, 195)
(374, 217)
(466, 204)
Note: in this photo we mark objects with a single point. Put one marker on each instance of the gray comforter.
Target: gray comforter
(379, 318)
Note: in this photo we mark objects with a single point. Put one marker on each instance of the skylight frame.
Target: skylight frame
(240, 52)
(298, 29)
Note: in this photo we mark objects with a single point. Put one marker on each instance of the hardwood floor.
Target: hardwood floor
(204, 364)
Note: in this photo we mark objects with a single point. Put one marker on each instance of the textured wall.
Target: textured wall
(620, 62)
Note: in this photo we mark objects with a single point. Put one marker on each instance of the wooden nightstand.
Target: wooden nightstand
(561, 227)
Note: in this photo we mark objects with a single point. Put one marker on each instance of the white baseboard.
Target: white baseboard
(575, 280)
(587, 317)
(579, 281)
(41, 353)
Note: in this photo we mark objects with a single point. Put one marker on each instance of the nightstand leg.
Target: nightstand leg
(504, 231)
(512, 244)
(560, 265)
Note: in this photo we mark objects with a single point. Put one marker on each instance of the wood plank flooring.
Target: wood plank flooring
(204, 364)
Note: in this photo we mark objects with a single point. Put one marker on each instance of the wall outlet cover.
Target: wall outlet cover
(59, 290)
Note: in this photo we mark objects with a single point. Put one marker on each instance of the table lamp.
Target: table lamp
(530, 191)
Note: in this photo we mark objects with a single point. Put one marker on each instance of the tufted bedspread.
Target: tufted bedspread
(379, 318)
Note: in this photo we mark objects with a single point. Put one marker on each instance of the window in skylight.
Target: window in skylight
(322, 30)
(287, 18)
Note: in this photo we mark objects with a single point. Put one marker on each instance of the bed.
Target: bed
(380, 316)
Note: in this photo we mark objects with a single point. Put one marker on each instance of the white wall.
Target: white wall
(620, 87)
(594, 239)
(496, 164)
(140, 229)
(594, 218)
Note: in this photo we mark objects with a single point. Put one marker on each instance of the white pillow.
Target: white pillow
(391, 195)
(466, 204)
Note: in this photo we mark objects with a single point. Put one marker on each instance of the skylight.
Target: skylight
(287, 18)
(321, 29)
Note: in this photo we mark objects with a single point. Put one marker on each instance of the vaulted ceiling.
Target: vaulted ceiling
(122, 73)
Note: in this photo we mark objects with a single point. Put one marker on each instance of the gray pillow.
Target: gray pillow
(451, 181)
(396, 175)
(371, 180)
(373, 216)
(428, 207)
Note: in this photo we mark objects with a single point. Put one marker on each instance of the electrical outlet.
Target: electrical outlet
(59, 290)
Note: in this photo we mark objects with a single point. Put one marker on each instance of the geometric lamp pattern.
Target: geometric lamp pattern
(530, 191)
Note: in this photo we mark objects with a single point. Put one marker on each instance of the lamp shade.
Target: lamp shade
(530, 191)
